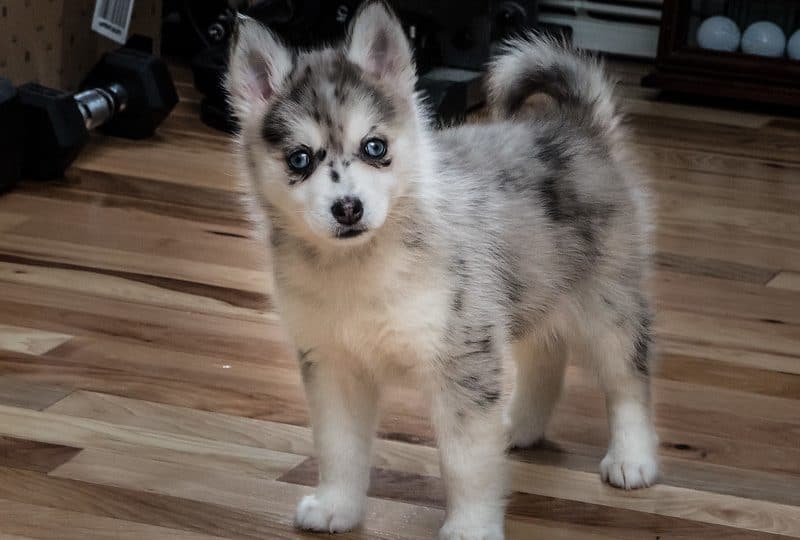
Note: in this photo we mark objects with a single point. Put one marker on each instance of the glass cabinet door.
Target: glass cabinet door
(765, 28)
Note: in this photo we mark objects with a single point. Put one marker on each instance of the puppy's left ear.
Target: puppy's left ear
(376, 42)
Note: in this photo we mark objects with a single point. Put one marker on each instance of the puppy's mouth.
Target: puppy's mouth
(350, 233)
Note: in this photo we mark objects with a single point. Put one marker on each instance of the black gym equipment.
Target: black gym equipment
(127, 94)
(10, 140)
(452, 42)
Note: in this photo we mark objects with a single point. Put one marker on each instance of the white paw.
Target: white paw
(328, 513)
(467, 529)
(631, 469)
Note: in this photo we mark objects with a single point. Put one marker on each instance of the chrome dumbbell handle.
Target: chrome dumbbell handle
(98, 105)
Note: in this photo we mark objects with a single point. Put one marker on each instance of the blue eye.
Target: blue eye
(299, 160)
(375, 148)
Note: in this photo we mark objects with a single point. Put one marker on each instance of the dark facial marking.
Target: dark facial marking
(348, 82)
(275, 129)
(334, 176)
(377, 163)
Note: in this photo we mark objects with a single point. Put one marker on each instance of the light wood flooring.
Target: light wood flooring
(146, 391)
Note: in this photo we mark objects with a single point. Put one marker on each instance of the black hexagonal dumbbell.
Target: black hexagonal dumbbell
(10, 136)
(127, 94)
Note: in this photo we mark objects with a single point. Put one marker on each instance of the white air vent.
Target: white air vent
(628, 27)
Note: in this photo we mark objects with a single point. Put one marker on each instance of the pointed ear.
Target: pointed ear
(259, 64)
(376, 42)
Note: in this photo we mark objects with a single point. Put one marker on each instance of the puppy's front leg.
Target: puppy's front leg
(468, 419)
(343, 415)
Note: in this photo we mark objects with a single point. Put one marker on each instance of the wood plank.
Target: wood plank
(788, 281)
(662, 109)
(132, 287)
(115, 192)
(29, 340)
(51, 524)
(100, 467)
(121, 411)
(138, 507)
(701, 266)
(184, 240)
(10, 220)
(778, 362)
(664, 500)
(189, 160)
(749, 250)
(709, 137)
(676, 184)
(16, 393)
(658, 156)
(617, 523)
(726, 298)
(676, 470)
(661, 499)
(728, 332)
(384, 519)
(120, 260)
(33, 456)
(695, 372)
(54, 311)
(84, 433)
(572, 425)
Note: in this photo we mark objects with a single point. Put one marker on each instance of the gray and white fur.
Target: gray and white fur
(432, 255)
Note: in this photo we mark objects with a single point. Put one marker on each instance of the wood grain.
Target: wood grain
(789, 281)
(34, 521)
(34, 456)
(26, 395)
(29, 340)
(148, 391)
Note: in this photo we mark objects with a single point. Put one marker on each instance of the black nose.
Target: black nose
(347, 210)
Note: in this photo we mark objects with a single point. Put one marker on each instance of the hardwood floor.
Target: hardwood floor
(146, 391)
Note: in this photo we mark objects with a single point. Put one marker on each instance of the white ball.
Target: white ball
(793, 48)
(719, 33)
(764, 38)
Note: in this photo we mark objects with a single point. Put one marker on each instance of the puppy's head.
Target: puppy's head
(329, 135)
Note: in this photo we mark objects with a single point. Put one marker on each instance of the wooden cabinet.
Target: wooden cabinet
(683, 67)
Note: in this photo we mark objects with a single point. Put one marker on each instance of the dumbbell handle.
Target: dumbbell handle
(98, 105)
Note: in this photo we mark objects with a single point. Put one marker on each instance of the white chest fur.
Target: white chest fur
(388, 313)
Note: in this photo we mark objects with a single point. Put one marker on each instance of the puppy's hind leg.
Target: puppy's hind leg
(621, 354)
(540, 375)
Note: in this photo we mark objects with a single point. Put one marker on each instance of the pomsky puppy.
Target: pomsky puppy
(403, 251)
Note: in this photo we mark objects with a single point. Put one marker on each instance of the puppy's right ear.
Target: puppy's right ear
(259, 64)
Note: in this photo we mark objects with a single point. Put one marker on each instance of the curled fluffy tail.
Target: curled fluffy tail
(536, 64)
